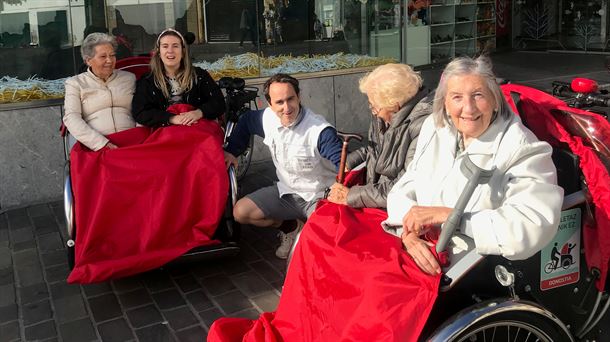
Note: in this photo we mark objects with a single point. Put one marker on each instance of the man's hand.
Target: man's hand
(419, 250)
(338, 194)
(230, 160)
(420, 218)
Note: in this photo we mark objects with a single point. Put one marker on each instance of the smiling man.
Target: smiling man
(305, 150)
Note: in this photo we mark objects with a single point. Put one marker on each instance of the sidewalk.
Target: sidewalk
(178, 303)
(175, 303)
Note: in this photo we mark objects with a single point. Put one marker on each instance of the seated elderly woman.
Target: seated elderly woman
(399, 106)
(98, 101)
(517, 212)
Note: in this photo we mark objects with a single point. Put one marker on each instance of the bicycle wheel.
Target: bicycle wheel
(244, 159)
(512, 326)
(548, 268)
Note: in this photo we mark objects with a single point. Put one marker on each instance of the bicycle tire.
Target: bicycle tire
(244, 160)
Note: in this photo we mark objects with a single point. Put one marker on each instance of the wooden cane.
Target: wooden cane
(346, 137)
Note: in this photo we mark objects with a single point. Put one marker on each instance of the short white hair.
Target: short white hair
(87, 49)
(391, 84)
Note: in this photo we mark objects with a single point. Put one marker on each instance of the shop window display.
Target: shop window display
(250, 38)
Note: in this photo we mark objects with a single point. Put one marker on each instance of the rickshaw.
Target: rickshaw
(489, 298)
(238, 100)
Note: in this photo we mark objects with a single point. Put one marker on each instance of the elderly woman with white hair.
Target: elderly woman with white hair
(517, 212)
(399, 105)
(98, 101)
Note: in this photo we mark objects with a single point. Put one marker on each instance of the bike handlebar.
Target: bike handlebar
(579, 100)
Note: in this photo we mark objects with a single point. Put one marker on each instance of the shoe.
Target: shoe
(287, 240)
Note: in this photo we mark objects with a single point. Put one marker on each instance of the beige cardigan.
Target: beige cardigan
(94, 108)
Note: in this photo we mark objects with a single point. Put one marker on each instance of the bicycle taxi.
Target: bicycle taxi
(118, 243)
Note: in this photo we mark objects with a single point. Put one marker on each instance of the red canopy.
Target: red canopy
(587, 135)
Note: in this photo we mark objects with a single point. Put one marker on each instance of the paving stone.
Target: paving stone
(199, 301)
(45, 224)
(6, 276)
(4, 238)
(158, 280)
(37, 312)
(54, 258)
(50, 242)
(22, 235)
(187, 283)
(7, 295)
(18, 222)
(202, 270)
(144, 316)
(266, 271)
(278, 264)
(248, 253)
(194, 334)
(251, 284)
(217, 284)
(105, 307)
(209, 316)
(6, 260)
(96, 289)
(278, 285)
(33, 293)
(20, 246)
(177, 270)
(9, 331)
(234, 266)
(248, 313)
(127, 284)
(8, 313)
(233, 302)
(267, 302)
(3, 222)
(69, 308)
(63, 289)
(39, 210)
(78, 331)
(168, 299)
(57, 273)
(26, 258)
(41, 331)
(180, 318)
(115, 331)
(135, 298)
(155, 333)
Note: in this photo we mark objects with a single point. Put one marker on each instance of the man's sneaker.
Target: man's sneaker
(287, 240)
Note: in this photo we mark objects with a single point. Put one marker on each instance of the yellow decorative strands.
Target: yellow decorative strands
(246, 65)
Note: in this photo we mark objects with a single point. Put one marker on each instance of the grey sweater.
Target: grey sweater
(388, 152)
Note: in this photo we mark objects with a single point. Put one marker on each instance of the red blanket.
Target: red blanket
(160, 194)
(587, 135)
(348, 281)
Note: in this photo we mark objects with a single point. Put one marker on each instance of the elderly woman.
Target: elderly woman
(174, 80)
(98, 101)
(517, 212)
(399, 105)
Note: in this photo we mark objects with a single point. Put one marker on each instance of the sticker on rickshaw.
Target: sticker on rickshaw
(560, 259)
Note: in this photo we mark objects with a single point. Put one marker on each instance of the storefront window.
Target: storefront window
(40, 40)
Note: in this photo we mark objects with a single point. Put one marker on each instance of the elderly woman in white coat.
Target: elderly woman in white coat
(98, 101)
(517, 212)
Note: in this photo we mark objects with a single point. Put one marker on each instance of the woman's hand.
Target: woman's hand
(419, 250)
(230, 160)
(186, 118)
(111, 145)
(420, 218)
(338, 194)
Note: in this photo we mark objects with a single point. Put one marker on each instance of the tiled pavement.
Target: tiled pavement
(174, 303)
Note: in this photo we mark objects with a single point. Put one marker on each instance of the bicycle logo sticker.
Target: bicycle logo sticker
(560, 259)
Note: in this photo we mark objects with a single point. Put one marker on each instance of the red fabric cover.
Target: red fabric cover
(348, 281)
(179, 108)
(137, 65)
(546, 116)
(138, 207)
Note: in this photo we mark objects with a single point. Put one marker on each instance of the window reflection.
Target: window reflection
(40, 40)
